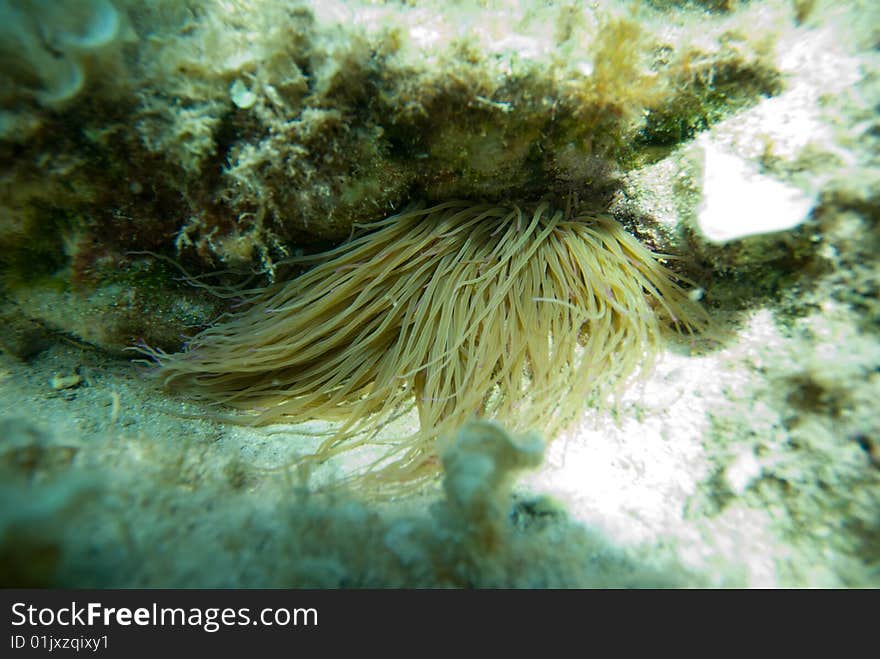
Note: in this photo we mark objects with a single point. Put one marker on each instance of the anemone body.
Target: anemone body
(458, 310)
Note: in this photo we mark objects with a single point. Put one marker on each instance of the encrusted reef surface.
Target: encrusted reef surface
(233, 131)
(155, 155)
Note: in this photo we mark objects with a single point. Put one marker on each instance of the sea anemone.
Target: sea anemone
(460, 310)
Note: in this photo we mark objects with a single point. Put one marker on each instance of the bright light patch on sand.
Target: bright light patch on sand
(739, 202)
